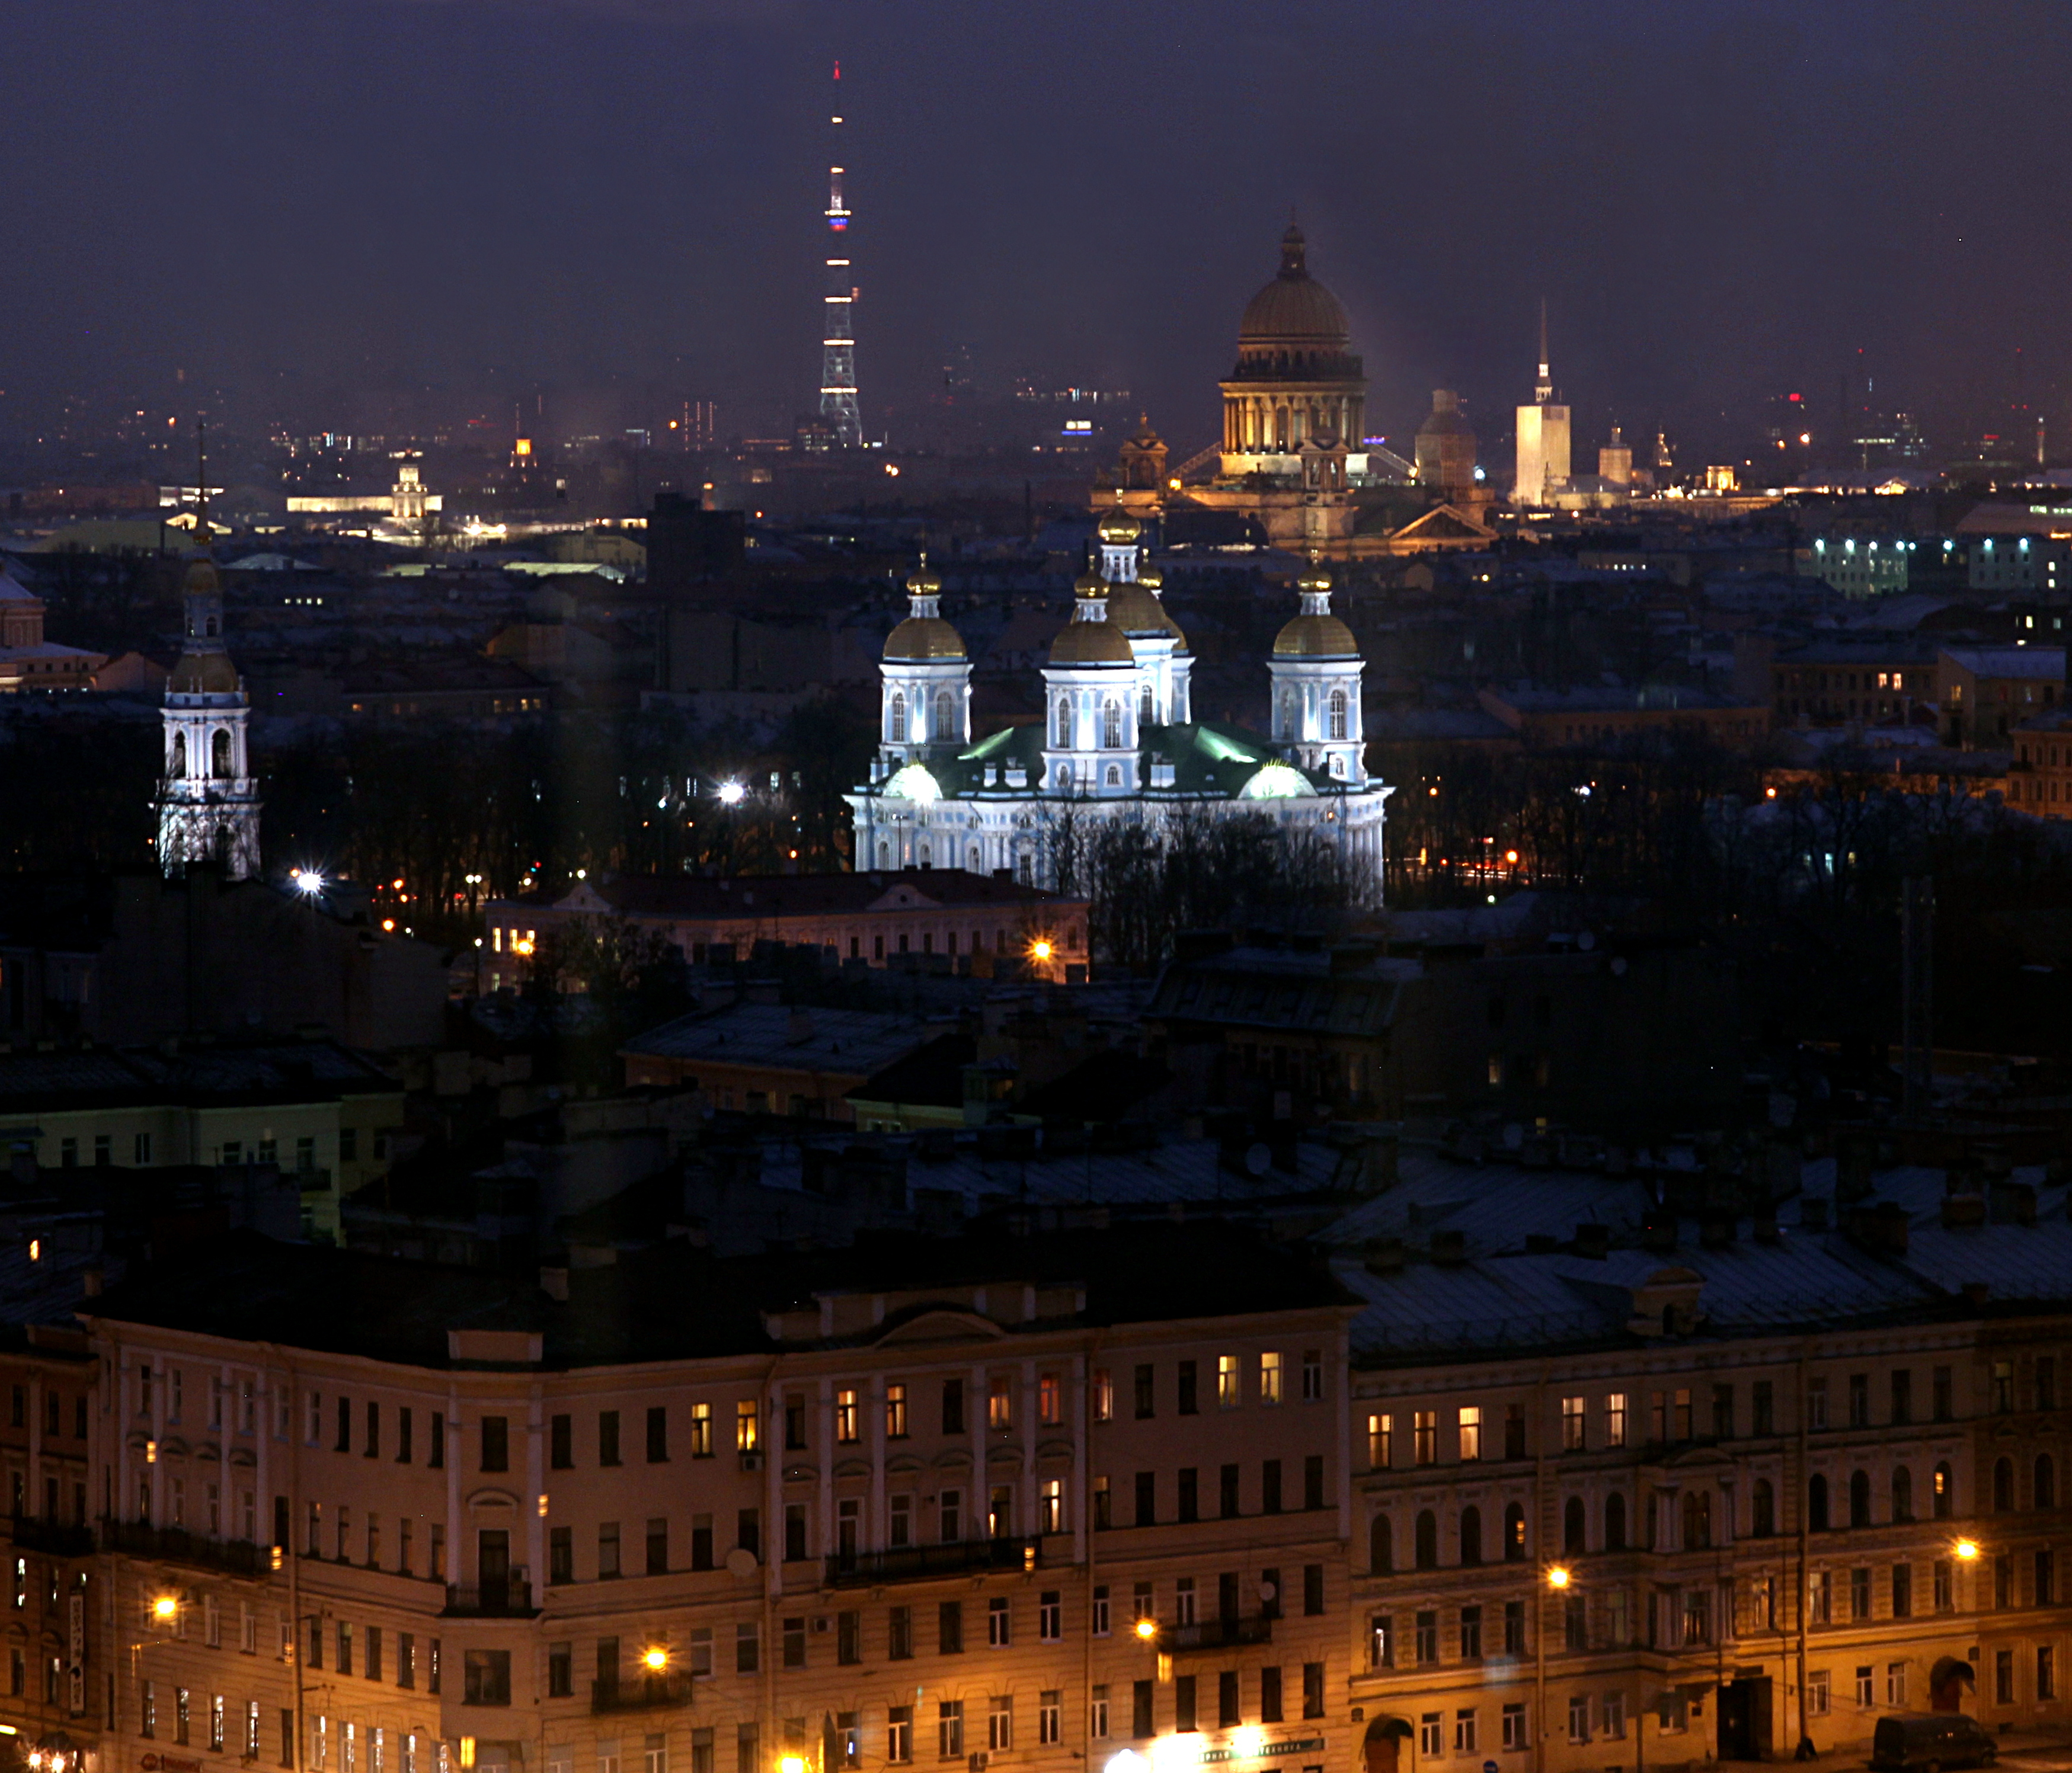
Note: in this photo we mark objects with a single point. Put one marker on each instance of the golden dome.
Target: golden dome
(1118, 527)
(924, 637)
(1150, 576)
(203, 674)
(1090, 584)
(1314, 580)
(924, 583)
(1132, 609)
(1294, 309)
(1092, 643)
(1315, 637)
(202, 578)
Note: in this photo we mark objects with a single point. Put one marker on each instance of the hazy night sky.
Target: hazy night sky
(316, 202)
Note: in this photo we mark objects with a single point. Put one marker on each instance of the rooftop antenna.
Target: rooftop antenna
(1545, 391)
(838, 405)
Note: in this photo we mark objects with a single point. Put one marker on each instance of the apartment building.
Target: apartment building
(1012, 1503)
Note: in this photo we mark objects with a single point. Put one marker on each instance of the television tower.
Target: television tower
(838, 408)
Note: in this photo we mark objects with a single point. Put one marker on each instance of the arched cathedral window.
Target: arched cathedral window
(1337, 714)
(1112, 724)
(896, 725)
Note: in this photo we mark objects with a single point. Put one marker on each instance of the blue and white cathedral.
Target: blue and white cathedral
(1118, 741)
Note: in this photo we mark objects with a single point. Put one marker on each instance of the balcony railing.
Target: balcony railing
(644, 1693)
(52, 1538)
(921, 1563)
(509, 1599)
(177, 1545)
(1215, 1633)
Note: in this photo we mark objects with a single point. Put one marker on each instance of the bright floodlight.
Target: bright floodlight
(656, 1660)
(730, 794)
(307, 880)
(1247, 1742)
(1125, 1760)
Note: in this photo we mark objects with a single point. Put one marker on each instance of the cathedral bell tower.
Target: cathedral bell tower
(209, 802)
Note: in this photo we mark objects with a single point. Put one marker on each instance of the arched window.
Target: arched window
(1902, 1493)
(942, 727)
(1337, 764)
(1337, 714)
(219, 754)
(884, 854)
(1763, 1510)
(1144, 709)
(1287, 717)
(1380, 1546)
(1112, 724)
(1471, 1535)
(179, 755)
(1115, 775)
(1427, 1539)
(2003, 1485)
(1572, 1525)
(976, 864)
(212, 627)
(895, 722)
(1944, 1502)
(2046, 1481)
(1816, 1503)
(1064, 778)
(1697, 1520)
(1514, 1534)
(1860, 1499)
(1615, 1522)
(925, 861)
(1063, 737)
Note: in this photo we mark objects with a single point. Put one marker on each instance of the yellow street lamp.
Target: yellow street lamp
(793, 1764)
(1558, 1577)
(164, 1609)
(1041, 948)
(1967, 1550)
(655, 1659)
(1147, 1629)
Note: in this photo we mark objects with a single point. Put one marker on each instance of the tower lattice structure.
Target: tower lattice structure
(838, 406)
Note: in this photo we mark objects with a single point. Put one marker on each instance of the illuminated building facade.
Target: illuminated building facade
(1118, 741)
(1543, 437)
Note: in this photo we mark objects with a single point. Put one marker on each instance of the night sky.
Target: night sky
(345, 212)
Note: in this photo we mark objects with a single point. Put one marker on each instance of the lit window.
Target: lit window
(1227, 1389)
(1269, 1376)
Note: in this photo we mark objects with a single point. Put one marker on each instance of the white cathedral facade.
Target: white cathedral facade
(208, 801)
(1118, 742)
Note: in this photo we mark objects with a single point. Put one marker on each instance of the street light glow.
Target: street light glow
(307, 880)
(1041, 949)
(1558, 1577)
(730, 794)
(1246, 1743)
(165, 1608)
(655, 1659)
(1147, 1629)
(1967, 1550)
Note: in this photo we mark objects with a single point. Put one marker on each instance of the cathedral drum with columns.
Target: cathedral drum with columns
(1118, 742)
(209, 802)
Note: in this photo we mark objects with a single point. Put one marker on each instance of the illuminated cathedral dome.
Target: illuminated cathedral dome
(924, 634)
(1118, 527)
(1316, 633)
(1294, 312)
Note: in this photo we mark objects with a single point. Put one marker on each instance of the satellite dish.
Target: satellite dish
(1256, 1159)
(740, 1561)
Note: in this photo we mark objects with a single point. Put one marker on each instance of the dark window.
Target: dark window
(403, 1422)
(1942, 1403)
(1513, 1431)
(900, 1640)
(373, 1450)
(1269, 1487)
(795, 1643)
(1471, 1535)
(1269, 1696)
(1471, 1633)
(436, 1456)
(1313, 1689)
(1762, 1407)
(1227, 1605)
(849, 1638)
(1146, 1393)
(562, 1443)
(1229, 1714)
(658, 1434)
(344, 1444)
(1723, 1413)
(607, 1666)
(701, 1542)
(1860, 1499)
(1269, 1593)
(1902, 1396)
(1312, 1591)
(794, 1532)
(949, 1628)
(495, 1443)
(1427, 1539)
(1573, 1540)
(1147, 1498)
(658, 1545)
(560, 1670)
(1816, 1503)
(1189, 1507)
(1189, 1402)
(748, 1531)
(1380, 1546)
(2003, 1485)
(560, 1555)
(1902, 1591)
(1513, 1629)
(1183, 1702)
(487, 1674)
(1313, 1481)
(1142, 1717)
(953, 1406)
(1227, 1495)
(1615, 1519)
(607, 1437)
(374, 1652)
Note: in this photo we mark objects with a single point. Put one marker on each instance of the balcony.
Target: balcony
(52, 1537)
(1215, 1633)
(925, 1563)
(648, 1692)
(177, 1545)
(511, 1598)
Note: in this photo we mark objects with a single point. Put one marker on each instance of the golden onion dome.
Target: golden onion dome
(1315, 637)
(924, 637)
(1090, 584)
(1314, 581)
(1092, 643)
(1118, 527)
(203, 674)
(1150, 576)
(924, 583)
(1134, 611)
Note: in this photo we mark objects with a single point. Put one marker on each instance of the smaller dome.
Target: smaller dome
(924, 583)
(1090, 584)
(1118, 527)
(1315, 637)
(202, 579)
(1132, 609)
(203, 674)
(1151, 576)
(1092, 643)
(1315, 580)
(924, 637)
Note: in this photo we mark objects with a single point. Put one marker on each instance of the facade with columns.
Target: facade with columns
(1118, 742)
(208, 800)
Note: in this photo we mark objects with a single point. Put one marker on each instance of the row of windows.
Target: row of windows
(1189, 1497)
(218, 1719)
(55, 1413)
(1673, 1413)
